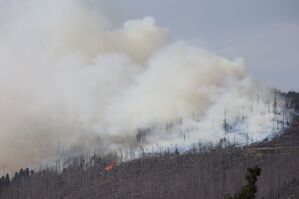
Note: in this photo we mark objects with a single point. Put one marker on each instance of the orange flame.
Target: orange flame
(110, 167)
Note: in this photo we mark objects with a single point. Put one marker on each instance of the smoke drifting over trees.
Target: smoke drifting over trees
(68, 75)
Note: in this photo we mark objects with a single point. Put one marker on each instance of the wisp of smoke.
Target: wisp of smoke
(71, 79)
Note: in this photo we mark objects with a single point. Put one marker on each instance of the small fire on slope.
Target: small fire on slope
(110, 166)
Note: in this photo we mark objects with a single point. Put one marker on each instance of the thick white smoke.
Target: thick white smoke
(68, 76)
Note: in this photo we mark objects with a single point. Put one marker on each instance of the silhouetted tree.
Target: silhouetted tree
(16, 176)
(2, 183)
(21, 172)
(7, 180)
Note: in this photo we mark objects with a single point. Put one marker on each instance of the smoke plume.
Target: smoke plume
(71, 79)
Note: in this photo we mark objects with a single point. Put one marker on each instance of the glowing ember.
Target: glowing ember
(110, 167)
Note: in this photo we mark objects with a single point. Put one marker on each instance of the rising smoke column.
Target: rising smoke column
(68, 76)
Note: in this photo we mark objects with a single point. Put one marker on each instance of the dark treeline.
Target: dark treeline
(293, 99)
(4, 182)
(21, 176)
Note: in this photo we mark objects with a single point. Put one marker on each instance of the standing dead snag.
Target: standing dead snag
(249, 190)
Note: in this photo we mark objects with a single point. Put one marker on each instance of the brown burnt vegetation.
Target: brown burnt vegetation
(211, 172)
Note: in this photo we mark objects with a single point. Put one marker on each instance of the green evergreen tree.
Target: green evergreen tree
(249, 190)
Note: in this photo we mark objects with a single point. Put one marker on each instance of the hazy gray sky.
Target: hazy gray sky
(264, 32)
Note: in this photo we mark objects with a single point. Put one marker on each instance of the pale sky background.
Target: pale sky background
(264, 32)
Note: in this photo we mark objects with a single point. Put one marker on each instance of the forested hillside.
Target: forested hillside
(206, 172)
